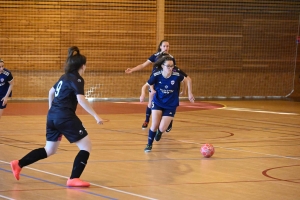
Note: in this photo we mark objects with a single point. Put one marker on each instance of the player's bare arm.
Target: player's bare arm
(51, 96)
(86, 106)
(5, 98)
(191, 97)
(143, 92)
(138, 68)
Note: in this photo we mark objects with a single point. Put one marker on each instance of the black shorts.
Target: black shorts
(71, 128)
(2, 107)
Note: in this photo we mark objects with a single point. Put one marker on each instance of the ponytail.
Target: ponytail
(74, 60)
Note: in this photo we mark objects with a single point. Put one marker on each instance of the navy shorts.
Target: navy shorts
(71, 128)
(165, 112)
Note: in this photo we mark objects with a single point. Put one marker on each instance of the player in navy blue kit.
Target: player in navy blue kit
(165, 86)
(64, 96)
(163, 47)
(175, 69)
(6, 86)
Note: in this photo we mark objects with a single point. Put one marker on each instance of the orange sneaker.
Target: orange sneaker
(16, 169)
(76, 182)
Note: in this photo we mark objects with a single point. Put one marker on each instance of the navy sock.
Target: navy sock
(151, 136)
(79, 163)
(33, 156)
(148, 114)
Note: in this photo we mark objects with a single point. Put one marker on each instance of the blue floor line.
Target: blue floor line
(53, 183)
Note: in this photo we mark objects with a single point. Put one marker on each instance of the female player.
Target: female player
(163, 47)
(6, 86)
(175, 69)
(165, 86)
(64, 96)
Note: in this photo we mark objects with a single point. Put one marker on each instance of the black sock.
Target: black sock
(159, 131)
(148, 114)
(79, 163)
(170, 125)
(32, 157)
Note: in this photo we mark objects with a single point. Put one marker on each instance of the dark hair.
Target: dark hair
(162, 54)
(161, 61)
(1, 60)
(74, 60)
(158, 48)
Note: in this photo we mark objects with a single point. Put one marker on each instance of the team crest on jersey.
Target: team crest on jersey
(79, 80)
(2, 79)
(172, 82)
(166, 86)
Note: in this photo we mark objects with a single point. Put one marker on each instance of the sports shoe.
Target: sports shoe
(170, 126)
(145, 125)
(148, 148)
(76, 182)
(158, 135)
(16, 169)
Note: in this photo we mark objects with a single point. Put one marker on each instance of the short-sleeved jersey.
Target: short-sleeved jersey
(5, 78)
(176, 69)
(153, 59)
(167, 89)
(65, 101)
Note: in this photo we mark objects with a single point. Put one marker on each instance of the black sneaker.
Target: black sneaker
(145, 125)
(158, 135)
(148, 148)
(169, 127)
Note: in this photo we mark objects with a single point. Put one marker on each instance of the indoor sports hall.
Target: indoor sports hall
(243, 60)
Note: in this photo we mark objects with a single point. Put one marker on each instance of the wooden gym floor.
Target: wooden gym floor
(257, 156)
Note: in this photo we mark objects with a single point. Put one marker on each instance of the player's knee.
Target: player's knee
(154, 127)
(162, 128)
(50, 151)
(85, 144)
(89, 147)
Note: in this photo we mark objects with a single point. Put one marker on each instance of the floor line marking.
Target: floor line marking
(108, 188)
(5, 197)
(254, 152)
(259, 111)
(63, 186)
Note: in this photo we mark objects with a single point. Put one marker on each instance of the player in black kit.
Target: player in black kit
(64, 96)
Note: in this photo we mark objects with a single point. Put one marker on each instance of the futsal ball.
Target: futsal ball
(207, 150)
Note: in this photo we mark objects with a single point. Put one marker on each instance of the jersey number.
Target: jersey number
(58, 88)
